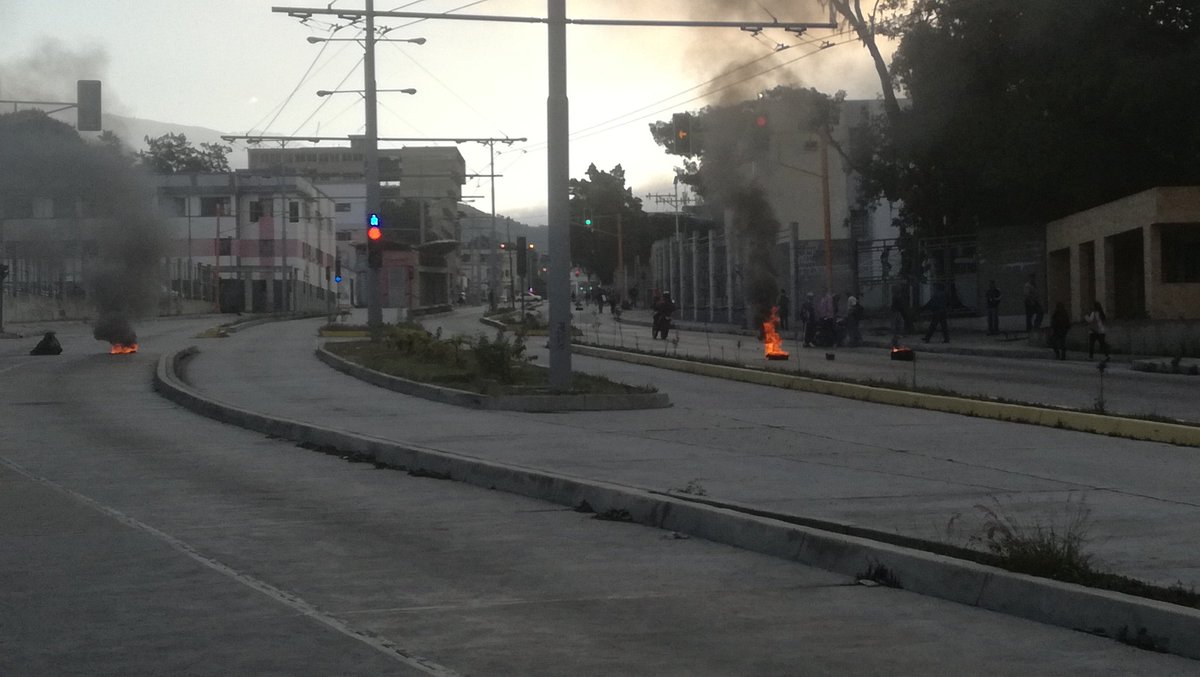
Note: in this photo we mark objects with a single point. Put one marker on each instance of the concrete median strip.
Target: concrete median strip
(1167, 627)
(526, 403)
(1136, 429)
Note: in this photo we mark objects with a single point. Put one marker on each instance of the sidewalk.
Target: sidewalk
(965, 337)
(973, 364)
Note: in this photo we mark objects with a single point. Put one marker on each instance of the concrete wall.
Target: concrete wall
(1116, 255)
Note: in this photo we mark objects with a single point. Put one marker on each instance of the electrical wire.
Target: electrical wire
(453, 93)
(279, 109)
(621, 120)
(325, 100)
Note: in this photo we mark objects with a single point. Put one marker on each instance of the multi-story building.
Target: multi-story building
(230, 240)
(256, 243)
(423, 185)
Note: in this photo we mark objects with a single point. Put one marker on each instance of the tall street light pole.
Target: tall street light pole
(558, 287)
(371, 163)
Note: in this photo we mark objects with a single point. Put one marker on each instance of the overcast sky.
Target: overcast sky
(238, 67)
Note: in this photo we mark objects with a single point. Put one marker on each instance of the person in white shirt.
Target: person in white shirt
(1096, 330)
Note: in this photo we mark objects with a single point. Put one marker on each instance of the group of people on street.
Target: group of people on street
(822, 324)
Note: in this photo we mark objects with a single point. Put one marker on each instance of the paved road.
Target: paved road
(142, 539)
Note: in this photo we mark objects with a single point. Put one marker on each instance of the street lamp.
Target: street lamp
(362, 92)
(416, 41)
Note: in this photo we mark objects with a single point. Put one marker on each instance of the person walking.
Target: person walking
(1096, 330)
(1060, 324)
(784, 309)
(992, 297)
(938, 314)
(1033, 306)
(808, 318)
(854, 314)
(661, 325)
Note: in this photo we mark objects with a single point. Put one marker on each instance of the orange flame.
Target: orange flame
(123, 348)
(772, 341)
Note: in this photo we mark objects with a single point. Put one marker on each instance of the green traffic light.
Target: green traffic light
(587, 222)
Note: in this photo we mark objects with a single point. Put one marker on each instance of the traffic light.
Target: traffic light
(522, 257)
(374, 242)
(681, 125)
(760, 134)
(337, 270)
(87, 105)
(587, 218)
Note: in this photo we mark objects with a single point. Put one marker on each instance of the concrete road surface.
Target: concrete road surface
(142, 539)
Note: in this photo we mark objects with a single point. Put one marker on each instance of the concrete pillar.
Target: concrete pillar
(695, 278)
(729, 262)
(1106, 278)
(712, 287)
(1151, 268)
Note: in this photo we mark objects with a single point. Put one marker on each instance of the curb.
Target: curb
(1170, 628)
(538, 404)
(1116, 426)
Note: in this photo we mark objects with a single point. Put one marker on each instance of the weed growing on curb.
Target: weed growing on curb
(614, 515)
(1142, 640)
(878, 573)
(694, 488)
(1048, 550)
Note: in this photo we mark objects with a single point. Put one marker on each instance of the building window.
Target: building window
(173, 206)
(344, 236)
(1181, 254)
(215, 206)
(260, 208)
(225, 246)
(342, 207)
(294, 212)
(266, 249)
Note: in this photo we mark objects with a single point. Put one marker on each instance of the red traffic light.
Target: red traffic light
(374, 233)
(760, 121)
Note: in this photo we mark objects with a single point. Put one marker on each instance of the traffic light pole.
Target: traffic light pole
(371, 168)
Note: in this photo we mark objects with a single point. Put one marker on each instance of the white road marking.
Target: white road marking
(380, 644)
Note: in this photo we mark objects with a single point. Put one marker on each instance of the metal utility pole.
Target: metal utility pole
(371, 161)
(825, 218)
(558, 168)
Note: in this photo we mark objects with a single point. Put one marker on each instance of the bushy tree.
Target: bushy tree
(174, 154)
(1025, 111)
(604, 198)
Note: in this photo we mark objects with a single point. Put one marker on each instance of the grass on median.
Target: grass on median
(497, 366)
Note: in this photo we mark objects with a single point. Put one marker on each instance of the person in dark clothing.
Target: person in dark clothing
(1033, 306)
(992, 298)
(49, 345)
(938, 314)
(1060, 324)
(808, 318)
(784, 309)
(663, 309)
(854, 315)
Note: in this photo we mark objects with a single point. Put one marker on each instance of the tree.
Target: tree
(174, 154)
(603, 198)
(1026, 111)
